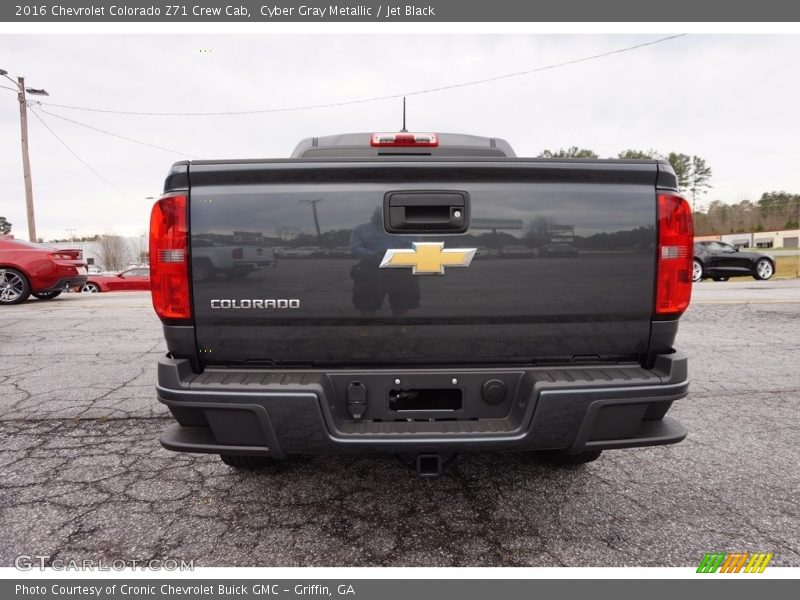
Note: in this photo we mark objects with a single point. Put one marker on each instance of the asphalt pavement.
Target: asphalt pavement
(82, 474)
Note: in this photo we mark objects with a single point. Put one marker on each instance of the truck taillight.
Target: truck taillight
(238, 253)
(169, 261)
(425, 140)
(675, 255)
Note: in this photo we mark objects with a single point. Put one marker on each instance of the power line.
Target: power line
(71, 151)
(375, 98)
(117, 135)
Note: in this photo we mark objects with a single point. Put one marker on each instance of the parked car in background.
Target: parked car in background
(338, 252)
(94, 270)
(36, 269)
(301, 252)
(516, 251)
(131, 280)
(558, 250)
(720, 261)
(234, 261)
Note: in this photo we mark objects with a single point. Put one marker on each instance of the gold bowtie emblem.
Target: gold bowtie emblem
(428, 258)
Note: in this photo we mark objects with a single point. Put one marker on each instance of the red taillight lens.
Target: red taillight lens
(67, 255)
(425, 140)
(169, 260)
(675, 255)
(238, 253)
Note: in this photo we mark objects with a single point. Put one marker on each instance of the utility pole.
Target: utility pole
(26, 161)
(313, 204)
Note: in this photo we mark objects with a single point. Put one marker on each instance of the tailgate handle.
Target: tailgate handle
(426, 212)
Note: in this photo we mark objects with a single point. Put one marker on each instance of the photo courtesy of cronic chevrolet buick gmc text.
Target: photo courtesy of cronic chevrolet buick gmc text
(409, 345)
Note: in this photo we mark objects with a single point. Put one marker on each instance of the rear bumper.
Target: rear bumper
(63, 283)
(264, 412)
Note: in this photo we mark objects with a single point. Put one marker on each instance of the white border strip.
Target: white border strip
(352, 573)
(345, 573)
(387, 28)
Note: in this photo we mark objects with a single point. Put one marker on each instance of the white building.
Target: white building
(787, 238)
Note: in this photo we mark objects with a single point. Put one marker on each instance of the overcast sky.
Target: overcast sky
(732, 99)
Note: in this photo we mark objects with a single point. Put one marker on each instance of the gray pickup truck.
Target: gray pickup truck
(403, 322)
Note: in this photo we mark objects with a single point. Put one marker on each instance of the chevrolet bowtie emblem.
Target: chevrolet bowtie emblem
(427, 258)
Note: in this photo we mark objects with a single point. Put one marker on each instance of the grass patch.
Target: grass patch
(787, 267)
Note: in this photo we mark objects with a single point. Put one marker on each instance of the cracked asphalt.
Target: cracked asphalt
(82, 475)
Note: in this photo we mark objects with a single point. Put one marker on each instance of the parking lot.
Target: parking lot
(82, 474)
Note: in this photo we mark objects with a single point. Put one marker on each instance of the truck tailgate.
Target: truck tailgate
(562, 268)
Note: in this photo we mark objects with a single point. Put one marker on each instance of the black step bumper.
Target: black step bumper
(238, 411)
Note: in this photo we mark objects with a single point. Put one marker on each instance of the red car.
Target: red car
(132, 280)
(27, 268)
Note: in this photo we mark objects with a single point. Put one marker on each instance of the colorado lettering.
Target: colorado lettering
(255, 303)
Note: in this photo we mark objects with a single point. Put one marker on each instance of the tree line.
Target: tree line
(773, 211)
(692, 172)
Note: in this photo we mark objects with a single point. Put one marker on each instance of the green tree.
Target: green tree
(639, 154)
(701, 224)
(693, 174)
(5, 226)
(571, 152)
(699, 176)
(682, 165)
(744, 216)
(719, 217)
(779, 210)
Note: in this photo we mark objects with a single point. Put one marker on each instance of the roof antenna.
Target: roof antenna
(404, 130)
